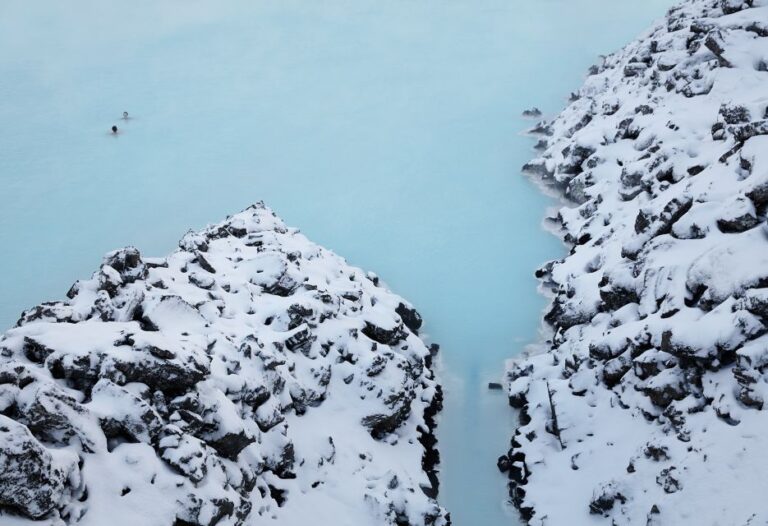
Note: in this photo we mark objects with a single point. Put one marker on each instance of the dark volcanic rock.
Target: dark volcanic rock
(411, 318)
(31, 480)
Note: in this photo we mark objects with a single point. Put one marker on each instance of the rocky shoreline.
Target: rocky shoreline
(249, 377)
(647, 405)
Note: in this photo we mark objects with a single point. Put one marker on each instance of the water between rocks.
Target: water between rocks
(387, 130)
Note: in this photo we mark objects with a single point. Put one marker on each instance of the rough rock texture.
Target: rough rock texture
(251, 377)
(648, 405)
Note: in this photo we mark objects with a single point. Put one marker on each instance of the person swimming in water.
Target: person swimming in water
(125, 115)
(114, 130)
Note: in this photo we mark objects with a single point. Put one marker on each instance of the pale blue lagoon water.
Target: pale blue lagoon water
(387, 130)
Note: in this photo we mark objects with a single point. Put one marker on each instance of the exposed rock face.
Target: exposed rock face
(250, 377)
(647, 407)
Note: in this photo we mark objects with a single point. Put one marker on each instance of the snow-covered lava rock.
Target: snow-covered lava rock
(648, 405)
(251, 377)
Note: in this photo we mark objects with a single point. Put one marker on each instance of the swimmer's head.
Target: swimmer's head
(125, 115)
(114, 129)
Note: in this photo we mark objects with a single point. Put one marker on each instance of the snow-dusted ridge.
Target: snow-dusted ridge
(251, 377)
(647, 407)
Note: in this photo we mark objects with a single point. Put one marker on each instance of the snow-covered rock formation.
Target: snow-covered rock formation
(649, 405)
(251, 377)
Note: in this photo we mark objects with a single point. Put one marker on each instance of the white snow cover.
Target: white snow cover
(647, 408)
(251, 377)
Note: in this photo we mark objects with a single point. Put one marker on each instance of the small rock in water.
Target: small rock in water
(503, 463)
(532, 113)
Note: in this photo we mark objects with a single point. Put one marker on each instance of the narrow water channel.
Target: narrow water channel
(387, 131)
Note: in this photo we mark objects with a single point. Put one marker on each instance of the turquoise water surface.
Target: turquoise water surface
(388, 131)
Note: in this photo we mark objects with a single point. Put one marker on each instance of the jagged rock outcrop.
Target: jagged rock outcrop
(648, 405)
(250, 377)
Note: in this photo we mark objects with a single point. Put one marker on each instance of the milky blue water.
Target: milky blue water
(387, 130)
